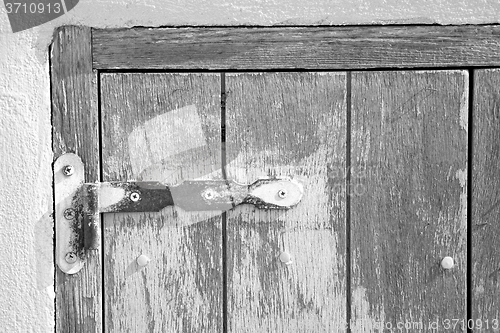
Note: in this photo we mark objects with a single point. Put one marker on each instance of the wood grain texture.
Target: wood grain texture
(74, 125)
(162, 127)
(310, 48)
(485, 199)
(287, 124)
(408, 197)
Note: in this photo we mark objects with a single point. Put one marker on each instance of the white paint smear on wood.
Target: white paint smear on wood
(366, 317)
(464, 99)
(464, 109)
(172, 133)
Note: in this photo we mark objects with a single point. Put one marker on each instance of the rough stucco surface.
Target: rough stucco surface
(26, 273)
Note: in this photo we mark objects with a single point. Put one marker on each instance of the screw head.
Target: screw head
(282, 194)
(71, 257)
(68, 170)
(209, 194)
(286, 258)
(447, 263)
(69, 214)
(135, 196)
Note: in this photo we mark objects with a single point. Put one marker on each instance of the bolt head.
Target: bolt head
(71, 257)
(135, 196)
(68, 170)
(282, 194)
(69, 214)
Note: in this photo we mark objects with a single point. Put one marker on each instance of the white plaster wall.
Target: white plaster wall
(26, 263)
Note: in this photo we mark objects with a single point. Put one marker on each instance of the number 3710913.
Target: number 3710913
(32, 8)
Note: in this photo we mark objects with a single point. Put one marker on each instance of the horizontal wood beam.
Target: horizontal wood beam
(302, 48)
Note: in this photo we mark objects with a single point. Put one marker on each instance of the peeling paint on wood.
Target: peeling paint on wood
(461, 176)
(411, 211)
(464, 108)
(180, 290)
(485, 197)
(408, 193)
(287, 124)
(75, 129)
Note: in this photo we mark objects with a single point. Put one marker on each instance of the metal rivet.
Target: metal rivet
(135, 196)
(68, 170)
(69, 214)
(70, 257)
(142, 260)
(282, 194)
(286, 258)
(447, 263)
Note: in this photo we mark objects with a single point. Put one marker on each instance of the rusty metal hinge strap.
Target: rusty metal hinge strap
(192, 195)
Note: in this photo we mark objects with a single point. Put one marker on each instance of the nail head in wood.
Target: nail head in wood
(142, 260)
(447, 263)
(286, 258)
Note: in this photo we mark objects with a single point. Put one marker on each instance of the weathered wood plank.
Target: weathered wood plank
(287, 124)
(75, 129)
(408, 198)
(310, 48)
(485, 200)
(162, 127)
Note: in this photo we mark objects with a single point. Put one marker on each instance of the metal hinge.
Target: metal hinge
(79, 204)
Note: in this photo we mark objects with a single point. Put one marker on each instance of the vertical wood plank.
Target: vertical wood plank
(485, 200)
(162, 127)
(75, 129)
(408, 198)
(287, 124)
